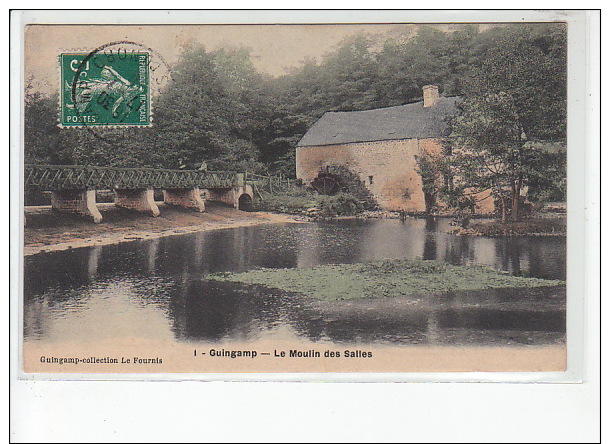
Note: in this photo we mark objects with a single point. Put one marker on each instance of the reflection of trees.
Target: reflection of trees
(508, 254)
(334, 242)
(464, 317)
(360, 327)
(547, 257)
(485, 319)
(390, 239)
(213, 311)
(279, 246)
(166, 274)
(459, 250)
(62, 269)
(430, 246)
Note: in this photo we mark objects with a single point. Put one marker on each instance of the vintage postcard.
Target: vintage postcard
(281, 198)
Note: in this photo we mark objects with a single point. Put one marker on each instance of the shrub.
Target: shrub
(340, 204)
(301, 200)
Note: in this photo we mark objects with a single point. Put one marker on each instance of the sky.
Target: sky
(274, 48)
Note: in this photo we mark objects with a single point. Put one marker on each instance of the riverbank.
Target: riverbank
(540, 226)
(48, 230)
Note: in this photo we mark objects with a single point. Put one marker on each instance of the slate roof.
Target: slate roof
(411, 121)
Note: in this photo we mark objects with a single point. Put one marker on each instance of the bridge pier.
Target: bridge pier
(222, 195)
(141, 199)
(76, 201)
(240, 195)
(184, 197)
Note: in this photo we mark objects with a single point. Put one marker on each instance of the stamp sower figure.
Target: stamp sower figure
(111, 84)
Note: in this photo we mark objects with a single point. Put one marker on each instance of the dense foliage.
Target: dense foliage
(515, 97)
(220, 111)
(302, 201)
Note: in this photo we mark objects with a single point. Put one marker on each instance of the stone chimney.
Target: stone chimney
(431, 95)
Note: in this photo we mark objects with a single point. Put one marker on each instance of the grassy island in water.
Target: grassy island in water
(385, 278)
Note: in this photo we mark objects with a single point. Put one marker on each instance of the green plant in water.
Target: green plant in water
(386, 278)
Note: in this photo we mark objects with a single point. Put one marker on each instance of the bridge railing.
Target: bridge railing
(58, 177)
(271, 184)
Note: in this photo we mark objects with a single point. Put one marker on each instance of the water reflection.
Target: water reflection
(475, 317)
(157, 288)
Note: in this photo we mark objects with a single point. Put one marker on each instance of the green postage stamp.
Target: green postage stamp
(106, 88)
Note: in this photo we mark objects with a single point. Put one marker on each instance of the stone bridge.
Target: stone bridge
(73, 187)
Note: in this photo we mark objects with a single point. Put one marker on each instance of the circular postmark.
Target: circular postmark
(112, 87)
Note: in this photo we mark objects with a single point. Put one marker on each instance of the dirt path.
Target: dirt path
(47, 230)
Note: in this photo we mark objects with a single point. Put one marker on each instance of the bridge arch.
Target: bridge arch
(245, 202)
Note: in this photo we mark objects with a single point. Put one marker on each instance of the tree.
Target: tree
(428, 167)
(350, 75)
(514, 96)
(529, 62)
(489, 152)
(550, 184)
(209, 111)
(44, 141)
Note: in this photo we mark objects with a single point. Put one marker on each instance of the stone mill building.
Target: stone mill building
(380, 146)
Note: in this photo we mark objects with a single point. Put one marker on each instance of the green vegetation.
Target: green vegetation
(350, 197)
(219, 109)
(429, 168)
(530, 227)
(386, 278)
(514, 98)
(490, 151)
(306, 202)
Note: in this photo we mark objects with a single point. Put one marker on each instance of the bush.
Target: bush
(287, 204)
(302, 201)
(340, 204)
(351, 185)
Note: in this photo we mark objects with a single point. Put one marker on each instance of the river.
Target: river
(156, 289)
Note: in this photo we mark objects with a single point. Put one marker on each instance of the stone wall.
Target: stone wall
(388, 168)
